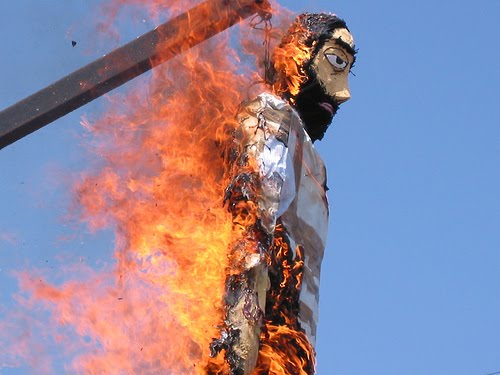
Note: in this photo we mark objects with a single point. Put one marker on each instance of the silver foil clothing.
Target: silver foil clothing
(293, 190)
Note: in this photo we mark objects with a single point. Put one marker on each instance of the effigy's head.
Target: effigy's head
(311, 68)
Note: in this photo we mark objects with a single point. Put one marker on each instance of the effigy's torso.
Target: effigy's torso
(306, 221)
(294, 185)
(277, 196)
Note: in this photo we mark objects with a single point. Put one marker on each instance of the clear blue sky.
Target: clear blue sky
(411, 278)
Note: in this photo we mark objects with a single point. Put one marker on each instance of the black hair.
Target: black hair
(320, 27)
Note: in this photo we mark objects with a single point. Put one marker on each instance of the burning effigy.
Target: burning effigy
(208, 176)
(277, 198)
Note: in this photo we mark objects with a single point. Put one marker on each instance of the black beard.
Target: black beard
(316, 108)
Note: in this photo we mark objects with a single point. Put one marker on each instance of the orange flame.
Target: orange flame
(284, 351)
(285, 347)
(290, 72)
(162, 189)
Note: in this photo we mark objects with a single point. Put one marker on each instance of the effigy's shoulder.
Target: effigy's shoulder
(266, 114)
(265, 101)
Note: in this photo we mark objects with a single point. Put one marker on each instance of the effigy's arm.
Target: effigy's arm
(257, 164)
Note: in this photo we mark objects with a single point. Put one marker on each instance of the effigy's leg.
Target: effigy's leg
(245, 301)
(247, 281)
(284, 346)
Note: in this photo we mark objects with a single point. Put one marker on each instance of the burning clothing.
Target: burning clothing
(277, 196)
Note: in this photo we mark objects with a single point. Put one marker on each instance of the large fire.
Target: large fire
(159, 184)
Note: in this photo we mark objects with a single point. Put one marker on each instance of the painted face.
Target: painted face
(332, 64)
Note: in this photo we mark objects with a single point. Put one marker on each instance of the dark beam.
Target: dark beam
(123, 64)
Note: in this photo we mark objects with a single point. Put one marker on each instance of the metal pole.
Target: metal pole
(121, 65)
